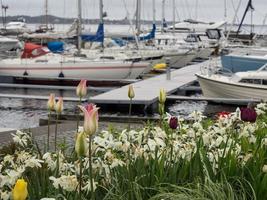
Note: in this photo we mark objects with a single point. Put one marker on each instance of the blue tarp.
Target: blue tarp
(119, 41)
(98, 37)
(56, 46)
(149, 36)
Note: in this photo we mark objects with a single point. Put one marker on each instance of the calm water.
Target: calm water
(25, 113)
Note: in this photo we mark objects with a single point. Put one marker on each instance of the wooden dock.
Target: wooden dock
(147, 91)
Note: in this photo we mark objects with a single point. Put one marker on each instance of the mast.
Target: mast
(251, 22)
(249, 6)
(163, 16)
(79, 27)
(46, 14)
(173, 16)
(225, 15)
(138, 16)
(101, 6)
(154, 12)
(4, 8)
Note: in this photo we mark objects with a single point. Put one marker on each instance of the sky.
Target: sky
(205, 10)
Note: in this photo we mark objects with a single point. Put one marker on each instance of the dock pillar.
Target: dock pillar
(168, 72)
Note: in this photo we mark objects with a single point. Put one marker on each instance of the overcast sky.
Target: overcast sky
(211, 10)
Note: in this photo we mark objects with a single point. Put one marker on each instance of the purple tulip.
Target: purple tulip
(248, 114)
(173, 122)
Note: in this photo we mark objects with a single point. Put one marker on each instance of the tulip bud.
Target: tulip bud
(173, 122)
(20, 191)
(131, 92)
(81, 146)
(51, 102)
(59, 105)
(264, 169)
(162, 96)
(81, 89)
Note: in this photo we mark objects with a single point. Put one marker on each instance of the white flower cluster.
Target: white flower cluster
(66, 182)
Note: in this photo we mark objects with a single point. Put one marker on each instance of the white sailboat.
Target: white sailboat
(38, 62)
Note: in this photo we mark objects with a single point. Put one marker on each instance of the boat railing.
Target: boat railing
(215, 69)
(263, 67)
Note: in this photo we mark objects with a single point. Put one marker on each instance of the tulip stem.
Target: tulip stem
(78, 115)
(91, 169)
(130, 113)
(171, 140)
(48, 131)
(80, 178)
(56, 132)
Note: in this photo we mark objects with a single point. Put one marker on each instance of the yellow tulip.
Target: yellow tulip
(20, 191)
(51, 102)
(59, 105)
(162, 96)
(131, 92)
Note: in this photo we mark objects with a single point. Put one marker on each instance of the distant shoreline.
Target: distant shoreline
(60, 20)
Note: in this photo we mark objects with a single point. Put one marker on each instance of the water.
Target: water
(25, 113)
(184, 108)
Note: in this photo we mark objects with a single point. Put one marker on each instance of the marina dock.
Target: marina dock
(147, 91)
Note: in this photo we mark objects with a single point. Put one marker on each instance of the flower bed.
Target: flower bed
(201, 158)
(174, 159)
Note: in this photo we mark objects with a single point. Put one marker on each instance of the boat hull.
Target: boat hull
(75, 70)
(179, 60)
(204, 53)
(218, 89)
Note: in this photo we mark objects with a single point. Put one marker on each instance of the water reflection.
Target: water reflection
(25, 113)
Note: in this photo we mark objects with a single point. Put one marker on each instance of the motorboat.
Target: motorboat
(16, 27)
(239, 85)
(7, 44)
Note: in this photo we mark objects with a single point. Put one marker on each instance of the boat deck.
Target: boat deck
(147, 91)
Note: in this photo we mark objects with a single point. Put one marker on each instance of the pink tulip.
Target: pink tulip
(51, 102)
(90, 118)
(81, 89)
(59, 105)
